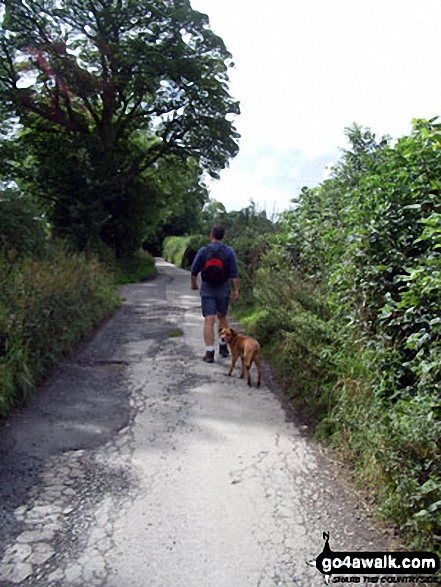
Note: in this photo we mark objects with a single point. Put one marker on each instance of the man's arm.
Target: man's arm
(234, 275)
(195, 269)
(194, 282)
(235, 293)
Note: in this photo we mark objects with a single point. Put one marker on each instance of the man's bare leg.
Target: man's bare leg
(209, 330)
(223, 323)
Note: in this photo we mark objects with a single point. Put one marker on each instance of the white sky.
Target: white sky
(306, 70)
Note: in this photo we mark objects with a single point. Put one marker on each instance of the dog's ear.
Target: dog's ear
(233, 332)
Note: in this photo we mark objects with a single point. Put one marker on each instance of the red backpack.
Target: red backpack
(213, 272)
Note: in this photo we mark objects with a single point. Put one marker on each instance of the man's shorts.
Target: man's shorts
(212, 305)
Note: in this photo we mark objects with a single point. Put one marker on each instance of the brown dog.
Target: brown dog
(247, 348)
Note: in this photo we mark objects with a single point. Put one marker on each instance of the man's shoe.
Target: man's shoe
(223, 350)
(209, 357)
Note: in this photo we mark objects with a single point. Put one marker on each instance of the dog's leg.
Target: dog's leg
(258, 362)
(248, 369)
(233, 364)
(242, 373)
(247, 361)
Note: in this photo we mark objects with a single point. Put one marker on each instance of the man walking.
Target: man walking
(217, 264)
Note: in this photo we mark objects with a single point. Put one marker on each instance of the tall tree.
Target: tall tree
(113, 87)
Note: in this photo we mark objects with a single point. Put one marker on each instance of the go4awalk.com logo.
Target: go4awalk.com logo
(393, 566)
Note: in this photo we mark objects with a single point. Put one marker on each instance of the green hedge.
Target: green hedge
(46, 306)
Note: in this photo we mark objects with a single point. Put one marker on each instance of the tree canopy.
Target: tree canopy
(113, 89)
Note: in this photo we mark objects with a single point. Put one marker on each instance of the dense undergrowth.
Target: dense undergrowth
(50, 299)
(46, 306)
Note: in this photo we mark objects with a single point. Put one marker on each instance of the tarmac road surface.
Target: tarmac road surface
(139, 465)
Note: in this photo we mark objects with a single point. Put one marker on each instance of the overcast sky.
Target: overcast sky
(307, 69)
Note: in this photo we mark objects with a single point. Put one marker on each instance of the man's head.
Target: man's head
(217, 232)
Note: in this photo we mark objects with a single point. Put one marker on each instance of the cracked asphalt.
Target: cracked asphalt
(139, 465)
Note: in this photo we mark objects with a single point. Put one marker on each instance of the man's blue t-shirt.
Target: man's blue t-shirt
(230, 268)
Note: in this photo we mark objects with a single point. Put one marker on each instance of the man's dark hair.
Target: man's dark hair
(218, 232)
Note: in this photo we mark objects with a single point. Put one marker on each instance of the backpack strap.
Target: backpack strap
(210, 250)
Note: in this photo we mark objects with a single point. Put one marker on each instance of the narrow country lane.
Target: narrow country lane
(139, 465)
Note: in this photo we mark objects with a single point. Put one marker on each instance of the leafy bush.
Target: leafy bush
(46, 306)
(23, 231)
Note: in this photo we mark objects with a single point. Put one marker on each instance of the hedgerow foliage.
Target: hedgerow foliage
(351, 291)
(46, 306)
(23, 231)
